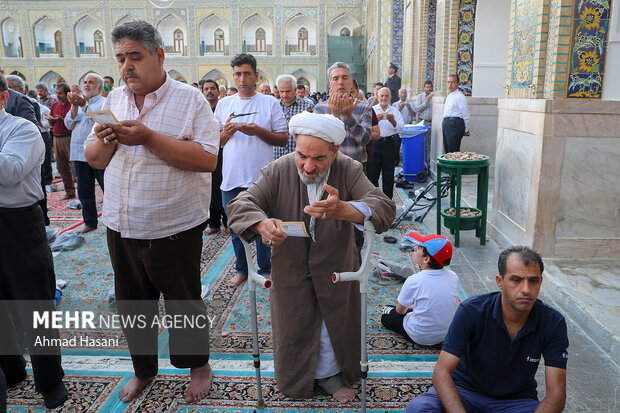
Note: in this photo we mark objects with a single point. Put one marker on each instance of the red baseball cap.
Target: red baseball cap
(437, 246)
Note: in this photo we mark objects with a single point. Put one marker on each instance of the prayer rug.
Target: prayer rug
(237, 393)
(94, 392)
(60, 215)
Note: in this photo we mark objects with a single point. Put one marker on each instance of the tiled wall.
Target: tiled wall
(590, 31)
(398, 17)
(465, 45)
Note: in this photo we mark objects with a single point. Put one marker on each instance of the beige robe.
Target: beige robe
(303, 291)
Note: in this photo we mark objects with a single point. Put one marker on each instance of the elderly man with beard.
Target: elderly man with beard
(82, 124)
(316, 324)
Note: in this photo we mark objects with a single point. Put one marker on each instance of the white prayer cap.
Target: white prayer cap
(326, 127)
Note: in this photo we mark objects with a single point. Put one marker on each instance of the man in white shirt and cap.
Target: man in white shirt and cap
(316, 324)
(456, 117)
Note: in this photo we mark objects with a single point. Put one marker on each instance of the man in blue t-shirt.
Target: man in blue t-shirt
(494, 345)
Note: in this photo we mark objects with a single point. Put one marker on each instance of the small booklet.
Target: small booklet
(104, 116)
(293, 229)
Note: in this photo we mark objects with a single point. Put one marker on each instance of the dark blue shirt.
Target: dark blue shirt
(493, 365)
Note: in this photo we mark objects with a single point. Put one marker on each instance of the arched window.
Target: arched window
(302, 40)
(98, 38)
(178, 41)
(58, 42)
(345, 31)
(219, 40)
(260, 40)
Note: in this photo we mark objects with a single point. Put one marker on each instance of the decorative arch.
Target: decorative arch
(215, 74)
(214, 36)
(301, 74)
(345, 31)
(47, 38)
(51, 79)
(20, 74)
(301, 35)
(11, 38)
(85, 43)
(174, 34)
(176, 75)
(125, 19)
(254, 27)
(341, 22)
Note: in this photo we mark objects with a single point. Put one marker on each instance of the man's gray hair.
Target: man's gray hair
(338, 65)
(287, 78)
(97, 77)
(41, 85)
(3, 85)
(17, 80)
(140, 31)
(384, 88)
(401, 89)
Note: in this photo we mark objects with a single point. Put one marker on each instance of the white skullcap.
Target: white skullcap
(327, 127)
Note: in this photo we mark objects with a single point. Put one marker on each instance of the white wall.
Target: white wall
(344, 20)
(491, 48)
(167, 27)
(85, 30)
(209, 26)
(44, 31)
(252, 24)
(611, 85)
(10, 37)
(296, 23)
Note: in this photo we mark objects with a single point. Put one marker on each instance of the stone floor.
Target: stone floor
(586, 293)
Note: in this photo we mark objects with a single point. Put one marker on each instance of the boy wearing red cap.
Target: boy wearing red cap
(428, 300)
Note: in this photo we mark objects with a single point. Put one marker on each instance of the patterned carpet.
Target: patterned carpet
(62, 217)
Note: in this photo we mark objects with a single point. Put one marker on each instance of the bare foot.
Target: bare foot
(238, 279)
(200, 386)
(344, 395)
(133, 388)
(85, 230)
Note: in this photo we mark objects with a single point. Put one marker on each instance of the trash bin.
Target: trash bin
(413, 152)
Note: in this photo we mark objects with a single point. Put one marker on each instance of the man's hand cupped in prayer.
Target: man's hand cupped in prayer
(132, 133)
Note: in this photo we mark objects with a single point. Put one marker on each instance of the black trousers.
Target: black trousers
(453, 131)
(142, 270)
(382, 160)
(217, 215)
(27, 284)
(2, 392)
(394, 321)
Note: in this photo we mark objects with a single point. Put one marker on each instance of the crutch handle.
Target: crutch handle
(258, 279)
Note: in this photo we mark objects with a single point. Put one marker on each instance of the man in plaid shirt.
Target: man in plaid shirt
(291, 105)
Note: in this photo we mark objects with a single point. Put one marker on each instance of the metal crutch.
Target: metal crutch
(254, 279)
(361, 275)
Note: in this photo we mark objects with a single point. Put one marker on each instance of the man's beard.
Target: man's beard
(89, 93)
(318, 179)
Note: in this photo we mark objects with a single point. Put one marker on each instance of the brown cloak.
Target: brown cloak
(302, 290)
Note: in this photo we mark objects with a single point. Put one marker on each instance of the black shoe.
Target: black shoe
(56, 396)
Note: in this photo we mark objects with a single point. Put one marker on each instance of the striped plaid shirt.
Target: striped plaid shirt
(298, 106)
(423, 109)
(358, 128)
(145, 197)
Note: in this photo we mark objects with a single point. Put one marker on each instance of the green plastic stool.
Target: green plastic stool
(456, 169)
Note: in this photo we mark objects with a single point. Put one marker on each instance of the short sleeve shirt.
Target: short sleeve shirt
(245, 155)
(493, 365)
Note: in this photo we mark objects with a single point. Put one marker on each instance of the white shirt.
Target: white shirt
(435, 297)
(385, 126)
(146, 197)
(456, 107)
(245, 155)
(404, 113)
(81, 126)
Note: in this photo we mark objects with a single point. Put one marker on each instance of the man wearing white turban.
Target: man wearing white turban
(315, 323)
